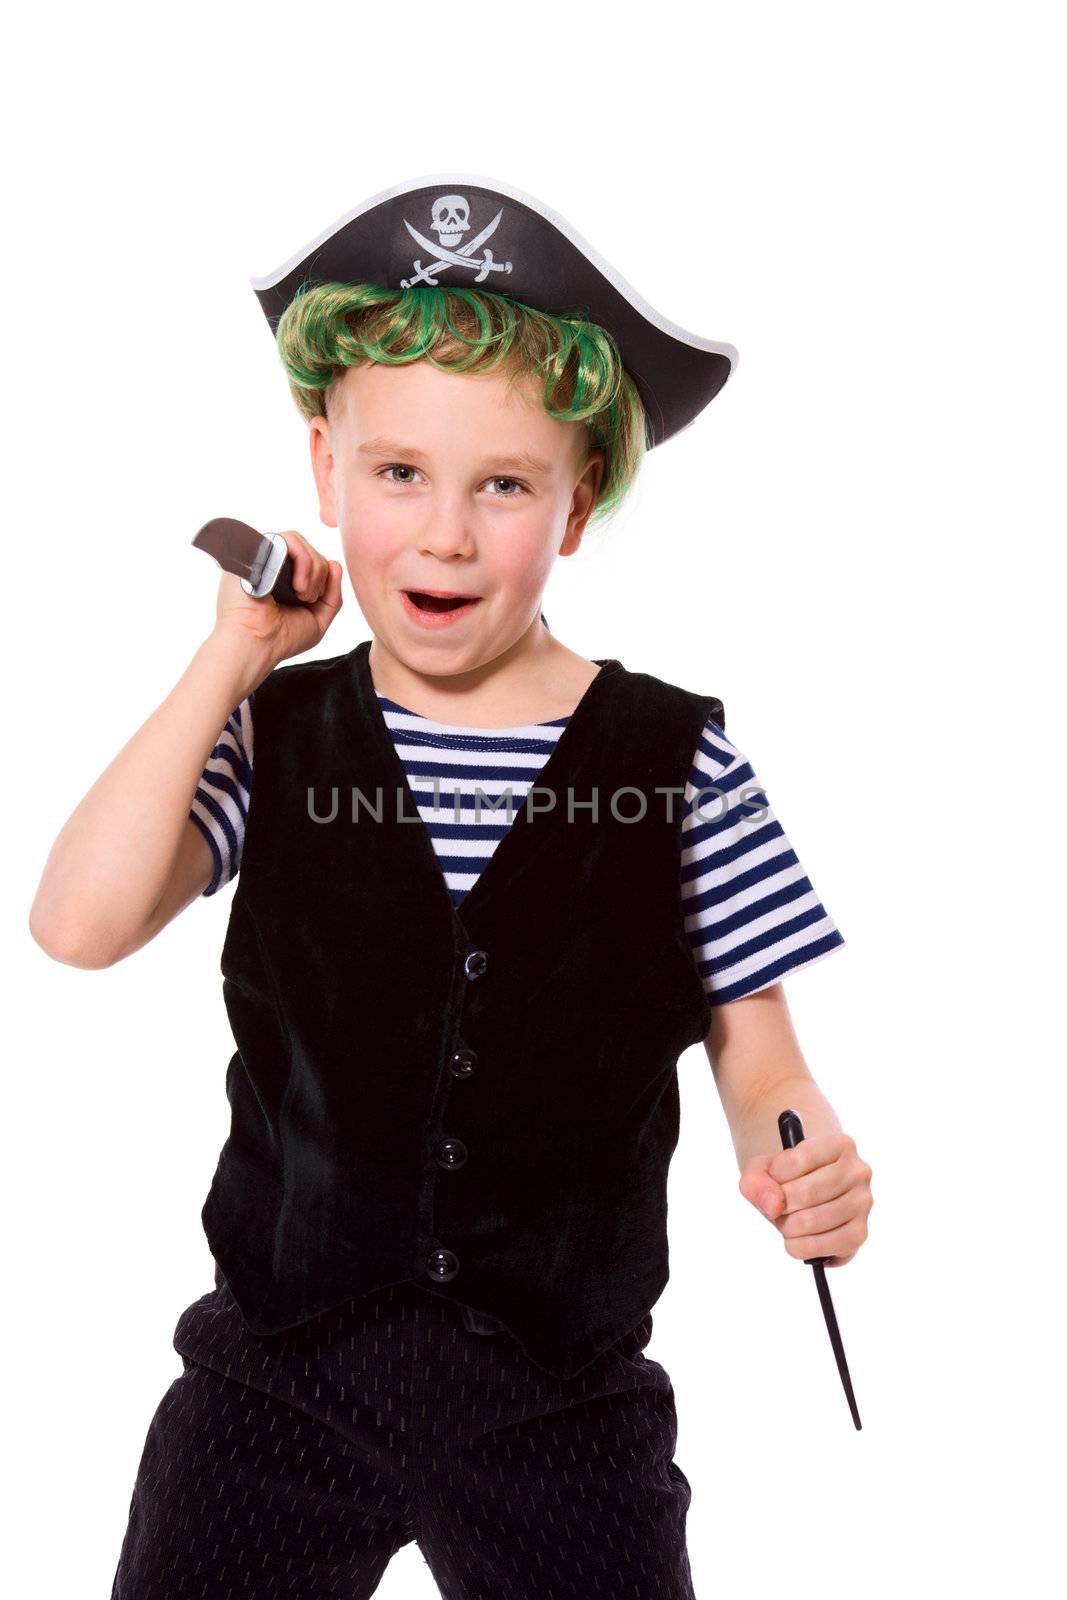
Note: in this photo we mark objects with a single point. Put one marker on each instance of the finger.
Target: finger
(325, 609)
(230, 587)
(820, 1219)
(318, 572)
(303, 557)
(825, 1182)
(304, 578)
(838, 1242)
(761, 1191)
(818, 1151)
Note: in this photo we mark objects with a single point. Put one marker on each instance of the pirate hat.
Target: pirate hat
(472, 230)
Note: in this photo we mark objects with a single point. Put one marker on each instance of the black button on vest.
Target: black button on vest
(452, 1153)
(476, 963)
(463, 1063)
(442, 1266)
(364, 1148)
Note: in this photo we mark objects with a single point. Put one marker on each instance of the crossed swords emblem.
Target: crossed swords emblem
(464, 257)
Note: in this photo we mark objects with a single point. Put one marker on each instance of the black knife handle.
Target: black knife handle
(791, 1129)
(792, 1132)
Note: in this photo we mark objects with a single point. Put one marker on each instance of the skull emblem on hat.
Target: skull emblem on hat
(451, 219)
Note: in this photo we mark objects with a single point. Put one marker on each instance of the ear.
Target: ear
(583, 501)
(322, 465)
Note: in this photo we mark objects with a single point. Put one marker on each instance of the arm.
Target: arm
(820, 1191)
(130, 858)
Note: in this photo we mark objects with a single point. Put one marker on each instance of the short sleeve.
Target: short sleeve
(220, 805)
(751, 913)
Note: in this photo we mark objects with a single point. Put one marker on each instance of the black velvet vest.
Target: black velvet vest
(481, 1099)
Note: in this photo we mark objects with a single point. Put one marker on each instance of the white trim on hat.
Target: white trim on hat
(453, 180)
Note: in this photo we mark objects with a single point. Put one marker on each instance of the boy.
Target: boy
(439, 1221)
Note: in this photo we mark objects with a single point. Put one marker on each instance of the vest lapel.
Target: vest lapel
(525, 834)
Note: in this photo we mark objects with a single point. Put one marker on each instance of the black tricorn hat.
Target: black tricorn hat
(466, 230)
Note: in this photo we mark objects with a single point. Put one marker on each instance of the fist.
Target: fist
(818, 1196)
(284, 631)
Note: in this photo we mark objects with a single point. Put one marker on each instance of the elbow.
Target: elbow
(69, 944)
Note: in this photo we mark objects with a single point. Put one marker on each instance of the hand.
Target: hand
(278, 631)
(820, 1196)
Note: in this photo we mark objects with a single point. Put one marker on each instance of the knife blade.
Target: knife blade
(791, 1130)
(261, 560)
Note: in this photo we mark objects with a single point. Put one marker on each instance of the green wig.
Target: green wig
(329, 327)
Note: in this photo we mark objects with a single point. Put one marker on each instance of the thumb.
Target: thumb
(760, 1188)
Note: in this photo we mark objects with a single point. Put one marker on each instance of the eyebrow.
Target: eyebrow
(406, 452)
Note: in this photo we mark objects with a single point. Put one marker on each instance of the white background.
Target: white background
(857, 547)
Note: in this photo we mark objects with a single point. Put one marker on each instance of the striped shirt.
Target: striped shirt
(751, 913)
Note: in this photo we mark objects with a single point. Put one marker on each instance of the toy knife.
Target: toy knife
(261, 560)
(792, 1131)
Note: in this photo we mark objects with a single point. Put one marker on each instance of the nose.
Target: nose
(446, 533)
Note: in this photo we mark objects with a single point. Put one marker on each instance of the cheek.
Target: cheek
(521, 556)
(370, 537)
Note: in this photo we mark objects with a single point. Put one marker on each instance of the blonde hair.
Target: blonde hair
(327, 328)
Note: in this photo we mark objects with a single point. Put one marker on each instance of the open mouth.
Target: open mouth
(435, 602)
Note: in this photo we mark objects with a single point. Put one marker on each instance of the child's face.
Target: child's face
(423, 473)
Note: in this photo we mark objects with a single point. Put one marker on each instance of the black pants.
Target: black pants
(298, 1464)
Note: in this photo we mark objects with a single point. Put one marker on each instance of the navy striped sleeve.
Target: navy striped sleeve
(220, 805)
(751, 913)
